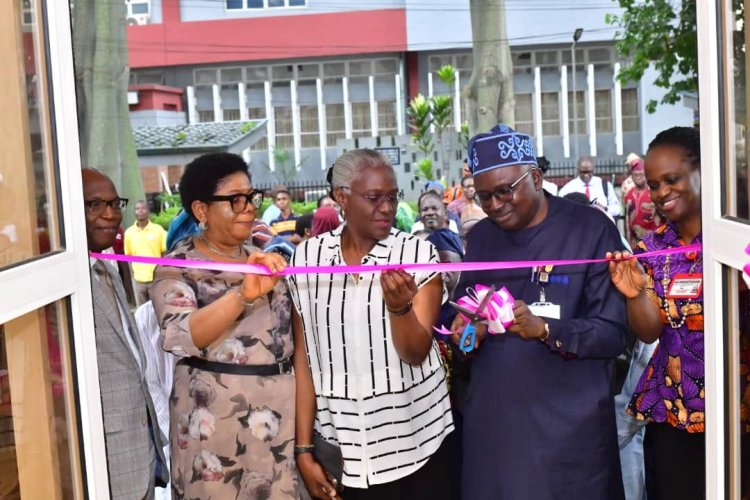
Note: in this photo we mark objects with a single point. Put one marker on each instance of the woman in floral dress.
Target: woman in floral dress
(232, 404)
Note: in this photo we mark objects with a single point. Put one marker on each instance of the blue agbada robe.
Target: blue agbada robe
(539, 421)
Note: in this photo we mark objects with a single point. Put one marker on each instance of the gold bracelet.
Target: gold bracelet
(303, 448)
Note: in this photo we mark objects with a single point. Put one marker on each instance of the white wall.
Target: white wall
(665, 116)
(436, 24)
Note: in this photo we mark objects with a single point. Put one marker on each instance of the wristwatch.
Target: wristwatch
(544, 337)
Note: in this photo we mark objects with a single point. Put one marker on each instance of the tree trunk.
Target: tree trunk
(101, 70)
(489, 93)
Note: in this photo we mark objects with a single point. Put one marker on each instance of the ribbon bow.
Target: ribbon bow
(498, 313)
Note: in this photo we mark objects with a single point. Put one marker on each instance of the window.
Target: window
(385, 67)
(308, 71)
(603, 104)
(630, 110)
(465, 63)
(282, 73)
(521, 62)
(360, 68)
(231, 115)
(256, 74)
(255, 114)
(437, 62)
(547, 58)
(524, 114)
(309, 126)
(205, 77)
(386, 117)
(231, 75)
(580, 96)
(361, 126)
(600, 54)
(333, 70)
(550, 113)
(141, 77)
(284, 131)
(263, 4)
(335, 123)
(205, 116)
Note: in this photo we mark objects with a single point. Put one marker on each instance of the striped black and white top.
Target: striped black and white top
(388, 416)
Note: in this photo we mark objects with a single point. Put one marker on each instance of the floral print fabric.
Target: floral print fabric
(672, 387)
(231, 436)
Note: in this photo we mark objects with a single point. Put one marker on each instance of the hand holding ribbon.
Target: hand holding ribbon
(255, 286)
(398, 288)
(626, 274)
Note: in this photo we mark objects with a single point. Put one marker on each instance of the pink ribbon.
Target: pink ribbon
(436, 267)
(499, 311)
(747, 266)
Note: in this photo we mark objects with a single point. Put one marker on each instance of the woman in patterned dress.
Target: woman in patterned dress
(665, 303)
(232, 404)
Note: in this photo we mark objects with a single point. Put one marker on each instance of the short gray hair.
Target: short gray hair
(349, 164)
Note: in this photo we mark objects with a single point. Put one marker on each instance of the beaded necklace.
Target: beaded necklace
(665, 282)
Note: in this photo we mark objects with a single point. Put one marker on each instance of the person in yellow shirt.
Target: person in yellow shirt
(145, 239)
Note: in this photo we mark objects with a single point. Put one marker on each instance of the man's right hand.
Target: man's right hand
(457, 329)
(315, 477)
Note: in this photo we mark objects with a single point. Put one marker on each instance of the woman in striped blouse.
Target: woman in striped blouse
(371, 381)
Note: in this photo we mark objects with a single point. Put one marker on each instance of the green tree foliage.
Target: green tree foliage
(428, 113)
(662, 33)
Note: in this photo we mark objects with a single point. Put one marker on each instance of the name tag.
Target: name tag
(685, 286)
(545, 310)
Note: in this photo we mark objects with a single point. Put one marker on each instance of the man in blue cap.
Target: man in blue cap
(539, 422)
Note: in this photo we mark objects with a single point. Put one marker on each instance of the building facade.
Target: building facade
(323, 71)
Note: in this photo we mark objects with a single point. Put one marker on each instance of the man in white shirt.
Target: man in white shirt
(593, 187)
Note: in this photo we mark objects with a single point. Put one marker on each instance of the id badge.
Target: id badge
(685, 286)
(545, 310)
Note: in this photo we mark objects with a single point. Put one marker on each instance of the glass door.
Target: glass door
(51, 438)
(724, 120)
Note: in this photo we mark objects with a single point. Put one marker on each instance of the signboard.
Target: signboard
(392, 154)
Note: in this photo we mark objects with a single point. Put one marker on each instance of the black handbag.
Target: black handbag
(329, 456)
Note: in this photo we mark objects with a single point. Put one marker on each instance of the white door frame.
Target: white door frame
(724, 242)
(29, 286)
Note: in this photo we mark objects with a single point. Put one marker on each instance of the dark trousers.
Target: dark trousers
(432, 481)
(675, 463)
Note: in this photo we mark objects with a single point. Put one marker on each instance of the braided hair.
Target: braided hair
(687, 138)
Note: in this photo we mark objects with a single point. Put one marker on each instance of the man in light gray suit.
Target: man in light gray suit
(132, 437)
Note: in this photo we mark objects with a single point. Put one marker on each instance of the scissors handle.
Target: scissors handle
(470, 334)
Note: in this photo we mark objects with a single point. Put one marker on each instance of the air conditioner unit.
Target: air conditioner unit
(137, 19)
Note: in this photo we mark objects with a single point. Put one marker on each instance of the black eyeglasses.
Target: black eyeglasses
(378, 199)
(239, 201)
(504, 194)
(99, 206)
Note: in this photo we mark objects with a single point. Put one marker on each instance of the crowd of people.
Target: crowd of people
(336, 385)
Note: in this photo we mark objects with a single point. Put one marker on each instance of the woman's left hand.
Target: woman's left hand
(258, 285)
(398, 288)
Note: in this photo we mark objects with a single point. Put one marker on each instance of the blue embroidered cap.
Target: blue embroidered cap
(500, 147)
